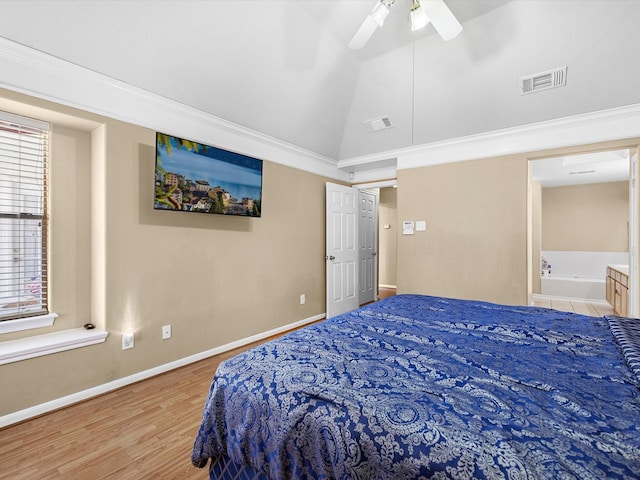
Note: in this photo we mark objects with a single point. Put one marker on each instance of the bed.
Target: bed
(420, 387)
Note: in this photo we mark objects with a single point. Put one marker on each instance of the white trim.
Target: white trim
(35, 73)
(386, 156)
(38, 74)
(380, 184)
(605, 125)
(39, 345)
(20, 324)
(58, 403)
(386, 286)
(374, 175)
(633, 236)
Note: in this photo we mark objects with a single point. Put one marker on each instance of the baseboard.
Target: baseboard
(386, 286)
(41, 409)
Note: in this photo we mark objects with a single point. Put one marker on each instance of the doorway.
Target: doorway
(580, 222)
(352, 219)
(387, 240)
(385, 231)
(368, 246)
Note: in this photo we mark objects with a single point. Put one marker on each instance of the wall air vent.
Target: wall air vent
(543, 81)
(377, 124)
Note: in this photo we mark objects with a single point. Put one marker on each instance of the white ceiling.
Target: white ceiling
(283, 68)
(596, 167)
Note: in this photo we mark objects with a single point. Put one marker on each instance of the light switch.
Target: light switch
(407, 227)
(421, 226)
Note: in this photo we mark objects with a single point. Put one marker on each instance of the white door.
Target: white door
(342, 249)
(367, 243)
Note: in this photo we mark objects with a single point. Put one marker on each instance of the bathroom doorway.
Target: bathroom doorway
(580, 224)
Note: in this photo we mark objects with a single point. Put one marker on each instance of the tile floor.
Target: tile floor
(593, 309)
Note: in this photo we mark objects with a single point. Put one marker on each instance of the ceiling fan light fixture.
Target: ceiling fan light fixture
(435, 12)
(381, 11)
(417, 16)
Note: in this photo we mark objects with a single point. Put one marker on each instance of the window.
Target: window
(24, 150)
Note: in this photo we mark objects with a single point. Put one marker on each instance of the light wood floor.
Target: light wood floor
(384, 292)
(142, 431)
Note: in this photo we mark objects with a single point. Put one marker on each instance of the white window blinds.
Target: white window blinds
(24, 149)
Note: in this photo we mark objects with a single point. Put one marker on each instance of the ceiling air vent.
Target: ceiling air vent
(543, 81)
(377, 124)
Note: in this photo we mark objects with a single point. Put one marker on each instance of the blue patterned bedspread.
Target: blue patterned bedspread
(424, 387)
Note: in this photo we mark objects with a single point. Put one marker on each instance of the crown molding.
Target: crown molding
(35, 73)
(594, 127)
(44, 76)
(601, 126)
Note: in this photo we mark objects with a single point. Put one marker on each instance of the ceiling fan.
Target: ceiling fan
(421, 13)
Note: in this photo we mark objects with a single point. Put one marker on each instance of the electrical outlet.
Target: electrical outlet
(303, 299)
(127, 340)
(166, 332)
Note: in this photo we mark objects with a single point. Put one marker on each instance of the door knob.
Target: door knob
(330, 257)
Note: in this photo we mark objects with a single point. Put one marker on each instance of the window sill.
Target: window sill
(39, 345)
(28, 323)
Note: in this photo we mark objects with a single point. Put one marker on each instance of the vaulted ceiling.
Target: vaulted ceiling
(282, 67)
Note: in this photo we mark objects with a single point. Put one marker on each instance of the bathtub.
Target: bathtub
(573, 286)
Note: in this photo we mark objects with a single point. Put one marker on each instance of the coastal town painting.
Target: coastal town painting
(194, 177)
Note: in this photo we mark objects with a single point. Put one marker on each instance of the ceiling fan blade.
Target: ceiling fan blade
(363, 34)
(442, 19)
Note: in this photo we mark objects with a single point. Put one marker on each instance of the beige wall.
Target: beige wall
(480, 230)
(119, 263)
(387, 215)
(475, 244)
(589, 218)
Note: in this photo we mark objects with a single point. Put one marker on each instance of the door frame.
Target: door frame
(634, 171)
(363, 186)
(634, 223)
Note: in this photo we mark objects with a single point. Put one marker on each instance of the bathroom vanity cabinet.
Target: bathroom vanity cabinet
(618, 288)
